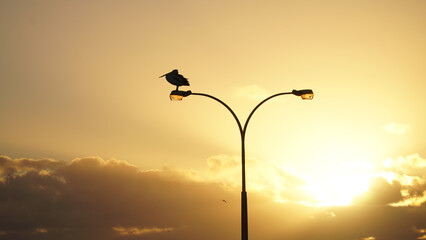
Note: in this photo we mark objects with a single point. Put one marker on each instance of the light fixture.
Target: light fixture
(177, 95)
(305, 94)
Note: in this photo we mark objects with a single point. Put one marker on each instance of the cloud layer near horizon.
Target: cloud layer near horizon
(93, 198)
(110, 199)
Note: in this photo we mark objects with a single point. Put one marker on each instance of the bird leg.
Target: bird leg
(177, 88)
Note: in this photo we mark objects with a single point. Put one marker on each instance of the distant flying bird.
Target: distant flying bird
(224, 201)
(176, 79)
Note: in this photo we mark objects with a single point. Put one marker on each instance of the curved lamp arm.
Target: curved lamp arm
(179, 95)
(258, 105)
(227, 107)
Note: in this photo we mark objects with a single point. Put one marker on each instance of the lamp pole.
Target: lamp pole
(305, 94)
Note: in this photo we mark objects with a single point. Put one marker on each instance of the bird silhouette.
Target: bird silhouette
(176, 79)
(224, 201)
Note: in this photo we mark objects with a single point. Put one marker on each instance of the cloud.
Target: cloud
(139, 231)
(92, 198)
(402, 183)
(413, 165)
(41, 230)
(421, 231)
(397, 128)
(380, 192)
(267, 177)
(410, 172)
(11, 167)
(252, 92)
(363, 221)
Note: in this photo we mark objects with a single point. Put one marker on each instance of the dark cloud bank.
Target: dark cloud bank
(91, 198)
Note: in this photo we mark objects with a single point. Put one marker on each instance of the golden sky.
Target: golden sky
(92, 145)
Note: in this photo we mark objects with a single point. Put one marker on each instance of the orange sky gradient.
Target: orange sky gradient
(92, 147)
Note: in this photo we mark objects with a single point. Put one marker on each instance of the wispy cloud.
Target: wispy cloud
(41, 230)
(397, 128)
(139, 231)
(12, 167)
(278, 182)
(253, 91)
(420, 230)
(413, 165)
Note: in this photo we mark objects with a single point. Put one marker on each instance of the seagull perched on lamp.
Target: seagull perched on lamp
(176, 79)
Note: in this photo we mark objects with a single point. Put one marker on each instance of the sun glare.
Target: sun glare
(338, 186)
(342, 171)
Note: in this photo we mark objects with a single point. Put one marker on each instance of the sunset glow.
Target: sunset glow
(339, 186)
(92, 147)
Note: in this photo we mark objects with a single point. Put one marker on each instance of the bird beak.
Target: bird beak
(162, 76)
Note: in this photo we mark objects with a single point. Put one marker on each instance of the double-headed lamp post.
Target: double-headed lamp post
(305, 94)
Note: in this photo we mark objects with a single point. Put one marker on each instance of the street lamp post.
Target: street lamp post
(306, 94)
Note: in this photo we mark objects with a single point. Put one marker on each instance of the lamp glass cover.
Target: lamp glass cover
(176, 97)
(308, 96)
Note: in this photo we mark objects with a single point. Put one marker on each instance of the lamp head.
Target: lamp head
(177, 95)
(305, 94)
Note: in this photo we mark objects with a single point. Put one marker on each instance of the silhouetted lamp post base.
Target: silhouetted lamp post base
(176, 95)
